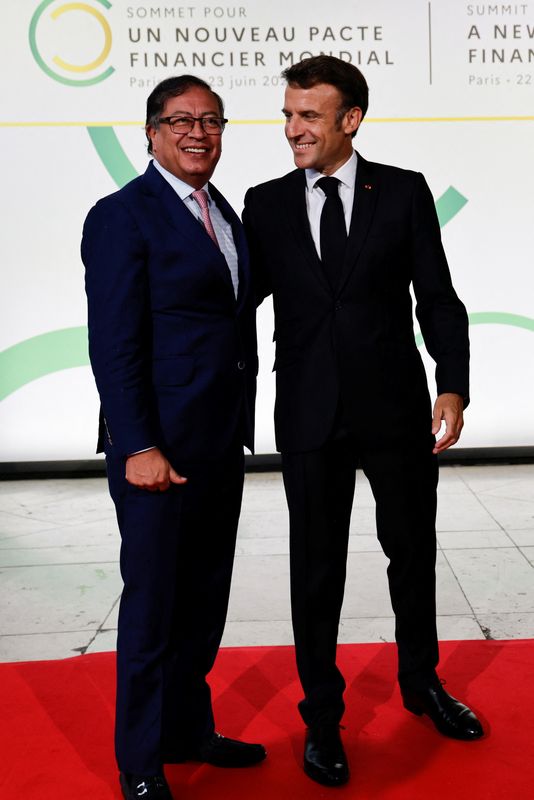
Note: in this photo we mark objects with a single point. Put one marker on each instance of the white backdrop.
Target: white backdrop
(452, 95)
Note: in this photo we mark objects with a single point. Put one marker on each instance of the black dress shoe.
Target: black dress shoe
(152, 787)
(219, 751)
(324, 757)
(450, 717)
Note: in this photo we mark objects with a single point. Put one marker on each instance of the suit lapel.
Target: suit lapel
(366, 192)
(183, 221)
(297, 216)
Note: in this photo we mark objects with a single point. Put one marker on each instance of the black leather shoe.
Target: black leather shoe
(324, 757)
(152, 787)
(450, 717)
(219, 751)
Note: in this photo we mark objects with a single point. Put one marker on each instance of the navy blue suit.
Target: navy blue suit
(174, 358)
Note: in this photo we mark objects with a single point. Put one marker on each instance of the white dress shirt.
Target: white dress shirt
(222, 228)
(315, 197)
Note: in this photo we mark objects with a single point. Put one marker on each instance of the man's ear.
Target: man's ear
(353, 117)
(151, 133)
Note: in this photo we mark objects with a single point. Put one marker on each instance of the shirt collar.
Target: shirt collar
(181, 188)
(346, 173)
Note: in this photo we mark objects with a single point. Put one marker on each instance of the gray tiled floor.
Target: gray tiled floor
(60, 584)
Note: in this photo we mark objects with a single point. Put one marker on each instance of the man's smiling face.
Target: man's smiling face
(192, 156)
(317, 127)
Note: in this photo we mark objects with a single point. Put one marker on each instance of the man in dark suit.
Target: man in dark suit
(338, 242)
(173, 348)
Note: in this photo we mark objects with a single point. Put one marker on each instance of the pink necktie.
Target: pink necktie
(201, 197)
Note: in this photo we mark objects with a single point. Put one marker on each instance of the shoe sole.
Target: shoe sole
(318, 777)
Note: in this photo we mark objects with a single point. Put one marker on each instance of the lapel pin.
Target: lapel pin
(367, 186)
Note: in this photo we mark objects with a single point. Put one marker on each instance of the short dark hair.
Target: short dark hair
(173, 87)
(346, 78)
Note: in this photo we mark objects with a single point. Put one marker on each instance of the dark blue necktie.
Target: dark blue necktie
(333, 232)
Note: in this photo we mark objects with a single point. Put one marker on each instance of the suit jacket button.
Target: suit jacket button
(241, 365)
(338, 306)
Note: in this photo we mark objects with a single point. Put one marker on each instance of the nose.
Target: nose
(293, 127)
(197, 131)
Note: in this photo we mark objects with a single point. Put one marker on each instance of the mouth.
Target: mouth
(195, 150)
(300, 147)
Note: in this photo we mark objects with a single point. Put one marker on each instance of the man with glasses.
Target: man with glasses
(173, 348)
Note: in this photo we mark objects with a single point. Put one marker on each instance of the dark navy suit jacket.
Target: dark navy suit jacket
(172, 350)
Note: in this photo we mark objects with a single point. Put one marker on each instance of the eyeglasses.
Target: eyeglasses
(211, 125)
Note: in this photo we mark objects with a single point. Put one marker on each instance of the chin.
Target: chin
(302, 160)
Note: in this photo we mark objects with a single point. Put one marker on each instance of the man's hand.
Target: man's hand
(151, 470)
(448, 407)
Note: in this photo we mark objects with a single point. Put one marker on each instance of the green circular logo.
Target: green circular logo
(59, 67)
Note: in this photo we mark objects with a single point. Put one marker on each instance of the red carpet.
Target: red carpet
(57, 721)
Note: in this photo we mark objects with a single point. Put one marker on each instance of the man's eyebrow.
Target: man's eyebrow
(302, 112)
(190, 114)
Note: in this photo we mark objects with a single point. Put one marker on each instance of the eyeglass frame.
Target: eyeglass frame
(168, 121)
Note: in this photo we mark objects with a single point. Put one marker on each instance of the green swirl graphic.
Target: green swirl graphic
(112, 155)
(494, 318)
(33, 358)
(449, 204)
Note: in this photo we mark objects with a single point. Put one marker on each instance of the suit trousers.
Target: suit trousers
(176, 561)
(319, 486)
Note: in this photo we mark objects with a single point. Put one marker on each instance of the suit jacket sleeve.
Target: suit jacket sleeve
(441, 314)
(260, 274)
(113, 252)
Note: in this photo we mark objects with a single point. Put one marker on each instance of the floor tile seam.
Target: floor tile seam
(110, 517)
(524, 555)
(374, 616)
(482, 547)
(352, 550)
(58, 546)
(46, 633)
(458, 582)
(455, 614)
(487, 549)
(508, 614)
(84, 648)
(101, 629)
(479, 501)
(272, 621)
(499, 487)
(47, 548)
(110, 612)
(58, 564)
(54, 524)
(13, 536)
(480, 613)
(507, 497)
(468, 530)
(28, 516)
